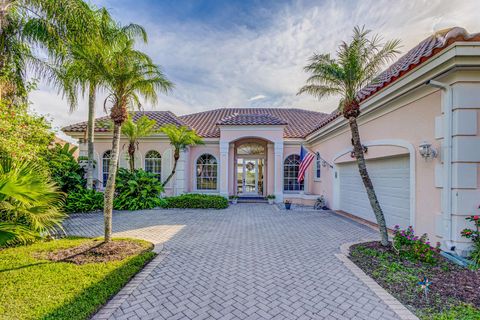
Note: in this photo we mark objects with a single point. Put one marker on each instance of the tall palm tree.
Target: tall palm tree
(180, 138)
(357, 64)
(80, 69)
(143, 127)
(129, 75)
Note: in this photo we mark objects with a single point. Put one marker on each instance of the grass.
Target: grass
(31, 288)
(448, 296)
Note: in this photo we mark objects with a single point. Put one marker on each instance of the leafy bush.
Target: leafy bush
(474, 235)
(137, 190)
(410, 246)
(30, 202)
(64, 168)
(84, 200)
(196, 201)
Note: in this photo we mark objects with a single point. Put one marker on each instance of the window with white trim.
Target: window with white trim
(153, 163)
(206, 169)
(105, 166)
(291, 167)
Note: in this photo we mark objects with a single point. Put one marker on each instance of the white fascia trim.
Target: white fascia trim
(417, 77)
(250, 127)
(383, 142)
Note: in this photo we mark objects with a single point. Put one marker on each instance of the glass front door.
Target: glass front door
(250, 177)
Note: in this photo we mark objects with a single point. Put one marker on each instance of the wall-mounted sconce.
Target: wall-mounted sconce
(427, 151)
(365, 150)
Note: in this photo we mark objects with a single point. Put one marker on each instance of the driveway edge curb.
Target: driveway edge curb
(396, 306)
(113, 304)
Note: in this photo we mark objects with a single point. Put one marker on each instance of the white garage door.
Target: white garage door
(391, 180)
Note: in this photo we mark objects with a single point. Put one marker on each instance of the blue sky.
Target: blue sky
(250, 53)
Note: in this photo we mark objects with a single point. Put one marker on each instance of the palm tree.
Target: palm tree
(143, 127)
(357, 64)
(30, 203)
(80, 70)
(180, 138)
(129, 75)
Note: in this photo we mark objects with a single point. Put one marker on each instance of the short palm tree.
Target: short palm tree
(129, 75)
(357, 64)
(30, 203)
(180, 138)
(135, 130)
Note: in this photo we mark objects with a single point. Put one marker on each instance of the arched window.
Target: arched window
(153, 163)
(250, 148)
(318, 165)
(290, 173)
(106, 166)
(206, 172)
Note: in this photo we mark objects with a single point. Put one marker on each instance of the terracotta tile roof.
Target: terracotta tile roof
(251, 119)
(298, 122)
(104, 125)
(416, 56)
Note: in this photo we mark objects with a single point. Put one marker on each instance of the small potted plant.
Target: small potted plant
(233, 199)
(271, 198)
(288, 204)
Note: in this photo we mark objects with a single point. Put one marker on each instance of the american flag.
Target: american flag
(306, 158)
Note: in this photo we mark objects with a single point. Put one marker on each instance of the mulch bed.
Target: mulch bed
(96, 251)
(451, 284)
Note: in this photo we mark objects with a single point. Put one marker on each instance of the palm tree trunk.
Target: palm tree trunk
(176, 157)
(90, 134)
(110, 187)
(131, 156)
(367, 182)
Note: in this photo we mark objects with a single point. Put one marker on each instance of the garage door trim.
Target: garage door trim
(371, 143)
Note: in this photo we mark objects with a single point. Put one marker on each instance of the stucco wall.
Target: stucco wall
(409, 121)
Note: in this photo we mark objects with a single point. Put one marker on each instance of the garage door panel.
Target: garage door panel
(391, 181)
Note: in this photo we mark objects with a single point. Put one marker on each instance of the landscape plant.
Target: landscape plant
(196, 201)
(474, 235)
(64, 169)
(83, 200)
(180, 138)
(135, 130)
(413, 247)
(357, 64)
(137, 190)
(30, 202)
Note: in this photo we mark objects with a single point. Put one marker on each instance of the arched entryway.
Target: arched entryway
(250, 165)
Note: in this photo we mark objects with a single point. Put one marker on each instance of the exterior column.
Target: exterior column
(180, 174)
(278, 171)
(223, 171)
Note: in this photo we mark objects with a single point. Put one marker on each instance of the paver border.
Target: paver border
(118, 299)
(400, 310)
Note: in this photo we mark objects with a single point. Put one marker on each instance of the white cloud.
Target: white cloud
(212, 67)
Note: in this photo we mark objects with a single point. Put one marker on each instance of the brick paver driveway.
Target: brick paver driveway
(250, 261)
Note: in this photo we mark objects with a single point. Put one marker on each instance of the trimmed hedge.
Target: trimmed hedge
(196, 201)
(84, 200)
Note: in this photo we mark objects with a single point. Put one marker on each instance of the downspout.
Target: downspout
(447, 104)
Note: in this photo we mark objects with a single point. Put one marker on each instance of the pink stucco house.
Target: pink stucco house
(419, 123)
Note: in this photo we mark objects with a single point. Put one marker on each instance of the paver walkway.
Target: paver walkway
(250, 261)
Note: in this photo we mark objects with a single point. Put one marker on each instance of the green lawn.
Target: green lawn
(31, 288)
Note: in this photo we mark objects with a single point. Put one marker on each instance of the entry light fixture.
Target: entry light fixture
(427, 151)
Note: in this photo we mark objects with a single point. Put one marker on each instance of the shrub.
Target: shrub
(474, 235)
(84, 200)
(64, 168)
(413, 247)
(196, 201)
(30, 202)
(137, 190)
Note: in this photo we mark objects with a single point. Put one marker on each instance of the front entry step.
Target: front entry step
(252, 200)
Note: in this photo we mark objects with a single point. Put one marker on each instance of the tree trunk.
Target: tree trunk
(90, 134)
(110, 187)
(367, 182)
(175, 157)
(131, 156)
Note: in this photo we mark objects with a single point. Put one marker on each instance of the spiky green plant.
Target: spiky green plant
(180, 138)
(357, 64)
(30, 203)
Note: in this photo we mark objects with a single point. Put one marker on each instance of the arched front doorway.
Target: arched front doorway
(250, 168)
